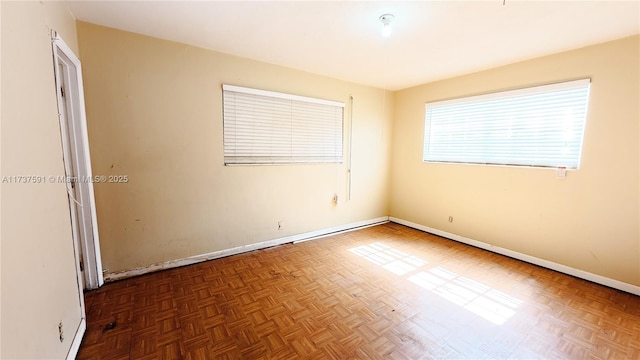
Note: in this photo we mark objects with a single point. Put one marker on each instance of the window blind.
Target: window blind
(264, 127)
(540, 126)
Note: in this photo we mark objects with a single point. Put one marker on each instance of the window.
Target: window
(264, 127)
(540, 126)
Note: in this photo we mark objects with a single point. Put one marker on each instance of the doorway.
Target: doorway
(77, 165)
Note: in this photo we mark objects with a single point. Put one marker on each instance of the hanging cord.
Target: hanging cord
(350, 147)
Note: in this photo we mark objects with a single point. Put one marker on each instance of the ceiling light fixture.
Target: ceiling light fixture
(386, 20)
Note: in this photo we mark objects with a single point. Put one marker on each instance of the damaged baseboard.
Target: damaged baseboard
(245, 248)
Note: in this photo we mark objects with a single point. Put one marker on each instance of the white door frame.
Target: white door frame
(71, 109)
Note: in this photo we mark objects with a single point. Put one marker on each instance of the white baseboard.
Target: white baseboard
(245, 248)
(343, 228)
(616, 284)
(77, 340)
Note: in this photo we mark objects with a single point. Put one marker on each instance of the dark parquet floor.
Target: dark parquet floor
(384, 292)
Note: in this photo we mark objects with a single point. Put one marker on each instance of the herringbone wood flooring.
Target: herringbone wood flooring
(385, 292)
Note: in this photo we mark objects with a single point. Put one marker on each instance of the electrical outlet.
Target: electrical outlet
(335, 199)
(61, 331)
(450, 219)
(562, 172)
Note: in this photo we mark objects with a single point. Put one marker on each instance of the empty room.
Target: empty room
(320, 180)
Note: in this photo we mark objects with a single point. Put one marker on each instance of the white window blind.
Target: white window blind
(540, 126)
(264, 127)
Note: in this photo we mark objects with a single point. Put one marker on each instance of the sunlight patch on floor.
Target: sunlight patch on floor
(482, 300)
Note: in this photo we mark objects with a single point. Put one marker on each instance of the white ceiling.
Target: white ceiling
(431, 40)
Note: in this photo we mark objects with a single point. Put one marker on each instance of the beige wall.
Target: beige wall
(154, 114)
(588, 220)
(39, 287)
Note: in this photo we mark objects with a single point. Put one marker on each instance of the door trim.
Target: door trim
(90, 247)
(77, 340)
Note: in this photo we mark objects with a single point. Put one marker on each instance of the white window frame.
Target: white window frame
(456, 130)
(263, 127)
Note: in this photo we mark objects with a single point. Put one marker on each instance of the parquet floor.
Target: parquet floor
(385, 292)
